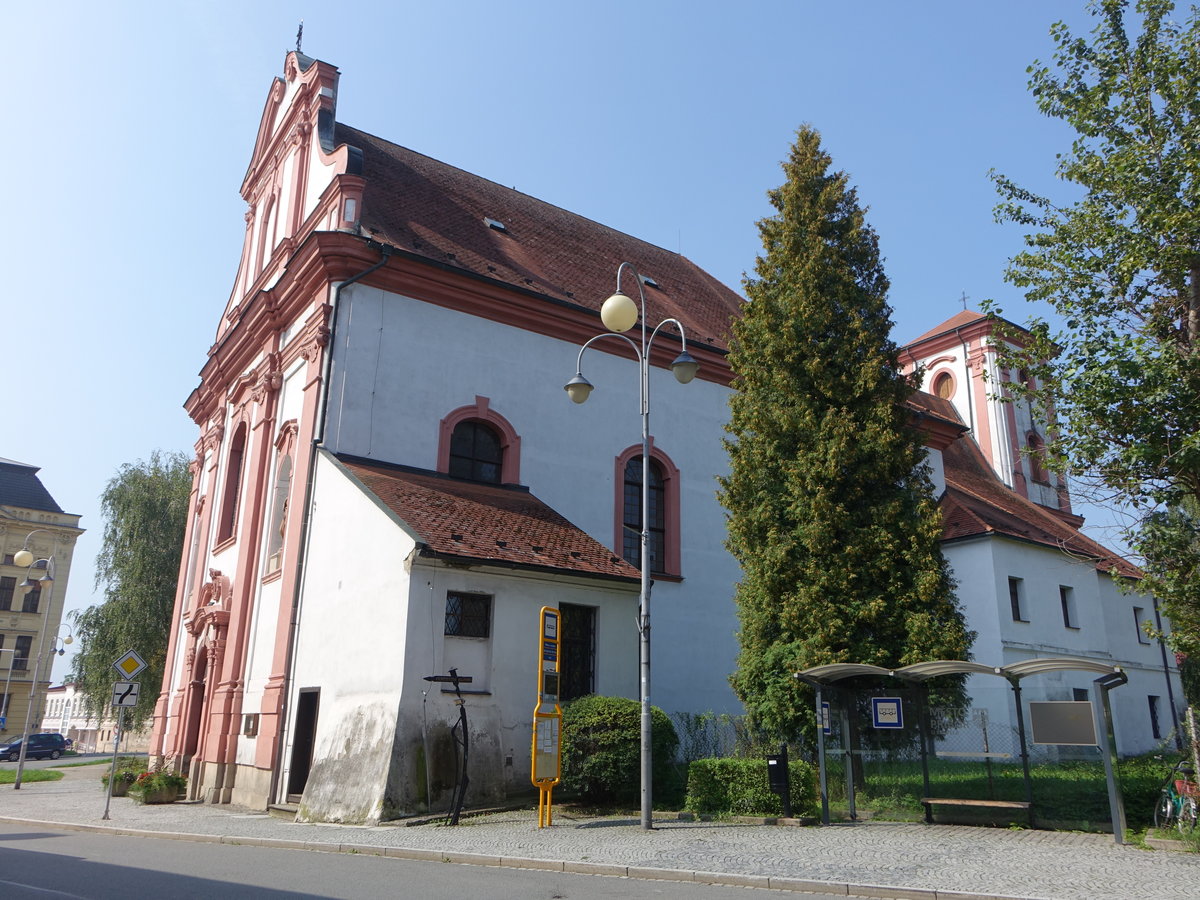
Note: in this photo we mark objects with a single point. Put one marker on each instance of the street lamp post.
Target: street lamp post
(619, 314)
(25, 557)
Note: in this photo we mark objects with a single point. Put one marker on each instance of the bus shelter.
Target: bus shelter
(827, 678)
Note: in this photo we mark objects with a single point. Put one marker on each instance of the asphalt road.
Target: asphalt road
(45, 864)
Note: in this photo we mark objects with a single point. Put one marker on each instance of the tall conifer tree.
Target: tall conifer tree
(831, 512)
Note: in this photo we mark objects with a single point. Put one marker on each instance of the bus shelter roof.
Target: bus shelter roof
(922, 671)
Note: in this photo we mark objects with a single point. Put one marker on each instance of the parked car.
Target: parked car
(40, 746)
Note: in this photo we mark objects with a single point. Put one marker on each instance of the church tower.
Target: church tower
(959, 359)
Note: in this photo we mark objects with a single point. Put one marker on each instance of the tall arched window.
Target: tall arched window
(475, 452)
(233, 485)
(631, 545)
(664, 519)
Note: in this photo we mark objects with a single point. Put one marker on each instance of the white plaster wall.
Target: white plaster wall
(353, 618)
(501, 713)
(320, 176)
(1105, 630)
(401, 365)
(370, 633)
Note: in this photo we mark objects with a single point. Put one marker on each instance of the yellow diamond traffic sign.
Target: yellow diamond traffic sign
(130, 664)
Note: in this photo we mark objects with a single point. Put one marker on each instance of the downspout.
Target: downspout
(302, 562)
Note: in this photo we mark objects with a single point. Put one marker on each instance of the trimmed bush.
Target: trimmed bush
(601, 750)
(740, 787)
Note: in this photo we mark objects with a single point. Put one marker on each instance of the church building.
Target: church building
(390, 483)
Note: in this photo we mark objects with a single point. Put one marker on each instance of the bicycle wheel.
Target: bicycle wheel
(1187, 815)
(1164, 811)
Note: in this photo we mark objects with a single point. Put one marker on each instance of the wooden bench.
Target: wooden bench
(930, 802)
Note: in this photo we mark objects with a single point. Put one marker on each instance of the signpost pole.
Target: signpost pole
(125, 693)
(112, 772)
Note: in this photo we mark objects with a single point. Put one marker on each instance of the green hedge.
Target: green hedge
(601, 751)
(740, 787)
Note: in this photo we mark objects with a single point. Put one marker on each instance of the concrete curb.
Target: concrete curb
(729, 879)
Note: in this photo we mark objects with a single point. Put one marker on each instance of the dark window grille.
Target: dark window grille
(577, 644)
(475, 453)
(631, 547)
(1155, 727)
(468, 615)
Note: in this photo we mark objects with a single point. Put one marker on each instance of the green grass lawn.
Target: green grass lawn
(9, 776)
(1070, 794)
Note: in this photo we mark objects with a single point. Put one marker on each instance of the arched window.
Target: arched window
(233, 485)
(663, 520)
(478, 443)
(631, 546)
(279, 511)
(475, 452)
(943, 385)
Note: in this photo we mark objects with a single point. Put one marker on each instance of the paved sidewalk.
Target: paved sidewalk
(937, 862)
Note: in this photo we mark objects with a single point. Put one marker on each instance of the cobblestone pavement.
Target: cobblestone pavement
(868, 859)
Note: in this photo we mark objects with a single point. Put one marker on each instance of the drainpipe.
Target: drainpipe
(302, 563)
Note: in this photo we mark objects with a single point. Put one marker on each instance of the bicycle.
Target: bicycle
(1179, 802)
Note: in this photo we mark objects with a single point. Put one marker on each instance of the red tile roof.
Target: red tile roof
(495, 524)
(976, 503)
(434, 210)
(966, 317)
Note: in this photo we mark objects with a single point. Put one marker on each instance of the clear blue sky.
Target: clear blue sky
(130, 125)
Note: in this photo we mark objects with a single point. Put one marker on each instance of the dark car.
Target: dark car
(40, 746)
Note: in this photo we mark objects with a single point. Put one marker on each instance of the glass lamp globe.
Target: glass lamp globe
(619, 313)
(23, 558)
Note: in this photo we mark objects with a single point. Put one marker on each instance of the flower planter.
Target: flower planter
(120, 787)
(159, 795)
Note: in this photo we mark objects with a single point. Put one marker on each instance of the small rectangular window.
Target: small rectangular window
(250, 724)
(468, 615)
(21, 656)
(1155, 727)
(1138, 616)
(8, 587)
(32, 598)
(1066, 599)
(1016, 599)
(1079, 695)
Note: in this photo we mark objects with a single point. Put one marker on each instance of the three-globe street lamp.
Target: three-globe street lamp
(619, 314)
(25, 558)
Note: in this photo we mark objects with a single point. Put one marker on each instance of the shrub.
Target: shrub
(157, 780)
(129, 776)
(601, 750)
(740, 787)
